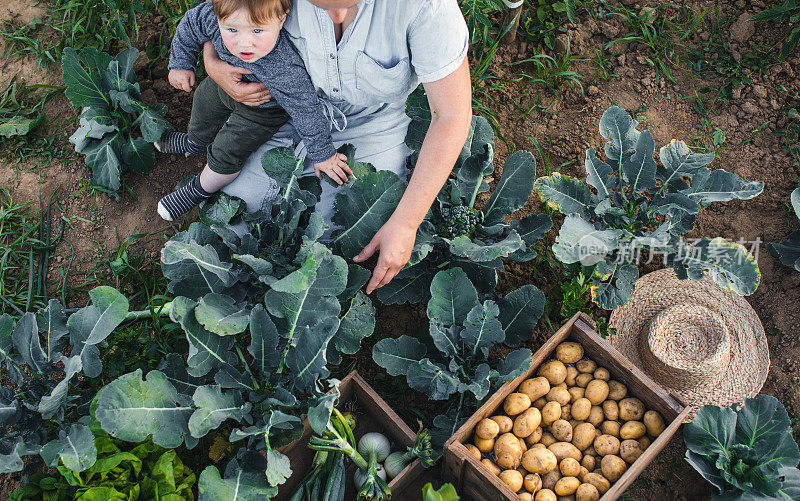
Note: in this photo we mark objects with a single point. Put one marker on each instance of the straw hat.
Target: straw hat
(696, 340)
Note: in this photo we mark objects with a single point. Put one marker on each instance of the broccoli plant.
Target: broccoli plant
(455, 232)
(637, 204)
(107, 89)
(451, 360)
(788, 251)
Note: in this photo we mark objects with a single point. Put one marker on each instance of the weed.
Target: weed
(556, 76)
(542, 20)
(544, 156)
(787, 12)
(791, 132)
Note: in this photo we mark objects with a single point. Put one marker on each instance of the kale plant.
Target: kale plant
(638, 204)
(788, 251)
(107, 89)
(455, 233)
(452, 358)
(745, 451)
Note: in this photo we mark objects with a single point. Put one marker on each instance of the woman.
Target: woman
(365, 57)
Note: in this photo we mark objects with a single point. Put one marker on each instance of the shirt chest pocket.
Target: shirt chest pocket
(382, 83)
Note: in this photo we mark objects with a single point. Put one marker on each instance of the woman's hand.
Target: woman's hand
(394, 242)
(230, 79)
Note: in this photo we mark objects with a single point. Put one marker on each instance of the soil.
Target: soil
(565, 129)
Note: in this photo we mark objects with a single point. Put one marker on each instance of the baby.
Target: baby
(247, 34)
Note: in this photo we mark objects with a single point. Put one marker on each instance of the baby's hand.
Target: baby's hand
(335, 167)
(181, 79)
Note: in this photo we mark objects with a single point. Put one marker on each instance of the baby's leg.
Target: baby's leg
(184, 199)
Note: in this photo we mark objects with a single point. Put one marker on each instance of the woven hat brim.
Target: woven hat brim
(749, 362)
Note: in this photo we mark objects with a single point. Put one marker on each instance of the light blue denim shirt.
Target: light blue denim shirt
(385, 52)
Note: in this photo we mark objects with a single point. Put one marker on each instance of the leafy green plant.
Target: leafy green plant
(455, 233)
(746, 451)
(542, 19)
(453, 358)
(787, 12)
(21, 107)
(788, 251)
(145, 471)
(637, 204)
(445, 493)
(107, 89)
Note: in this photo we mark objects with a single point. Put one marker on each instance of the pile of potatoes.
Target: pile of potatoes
(568, 434)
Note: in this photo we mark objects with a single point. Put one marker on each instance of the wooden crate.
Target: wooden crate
(374, 414)
(474, 482)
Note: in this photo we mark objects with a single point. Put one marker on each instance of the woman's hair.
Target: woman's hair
(261, 11)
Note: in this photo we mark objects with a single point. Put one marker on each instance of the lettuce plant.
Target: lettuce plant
(788, 251)
(746, 450)
(108, 91)
(452, 358)
(455, 232)
(629, 203)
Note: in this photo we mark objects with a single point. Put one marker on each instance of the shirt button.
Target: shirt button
(335, 89)
(332, 55)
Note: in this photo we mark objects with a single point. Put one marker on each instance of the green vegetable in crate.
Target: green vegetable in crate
(397, 461)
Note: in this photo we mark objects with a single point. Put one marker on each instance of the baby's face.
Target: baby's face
(247, 40)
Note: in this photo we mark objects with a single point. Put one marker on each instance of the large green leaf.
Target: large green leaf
(263, 342)
(678, 161)
(411, 285)
(712, 430)
(398, 355)
(452, 297)
(640, 169)
(240, 485)
(613, 284)
(18, 125)
(74, 447)
(362, 208)
(221, 314)
(52, 322)
(469, 180)
(153, 123)
(27, 343)
(531, 229)
(93, 324)
(730, 264)
(85, 88)
(480, 251)
(482, 329)
(206, 349)
(213, 407)
(104, 158)
(514, 364)
(356, 324)
(520, 311)
(137, 154)
(563, 193)
(133, 409)
(432, 379)
(56, 400)
(513, 189)
(578, 240)
(307, 358)
(599, 175)
(194, 269)
(618, 127)
(721, 186)
(787, 251)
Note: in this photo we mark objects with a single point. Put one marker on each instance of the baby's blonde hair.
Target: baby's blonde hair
(260, 11)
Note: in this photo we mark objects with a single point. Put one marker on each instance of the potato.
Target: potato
(583, 379)
(588, 462)
(583, 436)
(596, 391)
(549, 480)
(535, 387)
(566, 412)
(580, 409)
(504, 422)
(507, 451)
(493, 468)
(516, 403)
(559, 395)
(630, 451)
(600, 482)
(484, 445)
(631, 409)
(476, 453)
(582, 473)
(525, 496)
(554, 370)
(487, 429)
(550, 412)
(644, 443)
(632, 430)
(602, 373)
(569, 467)
(610, 410)
(561, 430)
(566, 486)
(527, 422)
(539, 461)
(596, 415)
(539, 446)
(572, 373)
(512, 478)
(587, 492)
(586, 365)
(539, 403)
(534, 437)
(545, 495)
(560, 385)
(590, 450)
(565, 450)
(569, 352)
(610, 428)
(654, 423)
(532, 482)
(613, 467)
(522, 444)
(575, 392)
(616, 390)
(606, 444)
(547, 439)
